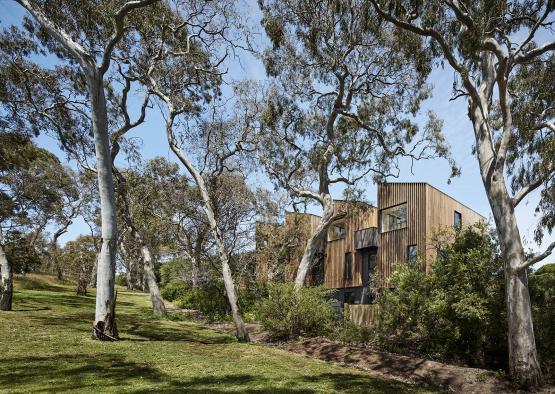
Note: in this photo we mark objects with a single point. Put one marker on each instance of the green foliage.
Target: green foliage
(209, 301)
(121, 280)
(288, 314)
(174, 290)
(456, 312)
(542, 294)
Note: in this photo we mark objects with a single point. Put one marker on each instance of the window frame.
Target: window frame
(415, 257)
(348, 273)
(331, 231)
(381, 216)
(455, 225)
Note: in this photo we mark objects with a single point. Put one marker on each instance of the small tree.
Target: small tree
(78, 258)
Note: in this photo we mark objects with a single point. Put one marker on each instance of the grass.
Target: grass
(45, 346)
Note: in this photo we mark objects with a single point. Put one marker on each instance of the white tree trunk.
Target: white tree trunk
(241, 330)
(314, 243)
(6, 282)
(158, 306)
(523, 361)
(105, 319)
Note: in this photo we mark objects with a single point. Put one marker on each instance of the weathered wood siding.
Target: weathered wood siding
(427, 210)
(440, 209)
(393, 244)
(358, 217)
(362, 315)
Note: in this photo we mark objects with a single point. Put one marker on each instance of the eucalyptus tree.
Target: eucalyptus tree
(346, 93)
(503, 57)
(183, 74)
(31, 192)
(87, 35)
(78, 257)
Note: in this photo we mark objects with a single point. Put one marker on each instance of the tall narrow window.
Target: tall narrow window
(412, 253)
(394, 218)
(457, 220)
(348, 268)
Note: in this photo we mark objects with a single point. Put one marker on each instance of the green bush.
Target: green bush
(288, 314)
(121, 280)
(542, 295)
(174, 290)
(209, 301)
(456, 313)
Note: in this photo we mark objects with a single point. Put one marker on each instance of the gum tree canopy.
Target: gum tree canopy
(503, 56)
(346, 92)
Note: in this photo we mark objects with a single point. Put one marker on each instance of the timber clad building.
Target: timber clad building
(367, 242)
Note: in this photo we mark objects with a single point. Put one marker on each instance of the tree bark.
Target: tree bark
(524, 367)
(104, 325)
(158, 306)
(241, 330)
(314, 243)
(6, 282)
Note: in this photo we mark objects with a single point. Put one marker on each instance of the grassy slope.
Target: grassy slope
(45, 346)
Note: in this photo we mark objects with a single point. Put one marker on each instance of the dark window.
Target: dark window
(348, 273)
(349, 297)
(457, 220)
(412, 252)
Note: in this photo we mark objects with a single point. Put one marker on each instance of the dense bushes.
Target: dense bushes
(174, 290)
(542, 294)
(457, 312)
(287, 313)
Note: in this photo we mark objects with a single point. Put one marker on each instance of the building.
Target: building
(364, 246)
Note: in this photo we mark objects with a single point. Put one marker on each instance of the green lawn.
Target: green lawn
(46, 347)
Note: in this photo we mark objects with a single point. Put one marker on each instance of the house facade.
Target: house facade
(364, 246)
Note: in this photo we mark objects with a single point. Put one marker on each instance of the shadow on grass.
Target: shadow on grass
(83, 372)
(154, 331)
(27, 283)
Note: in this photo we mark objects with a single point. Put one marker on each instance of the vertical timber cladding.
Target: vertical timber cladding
(302, 225)
(392, 248)
(359, 215)
(440, 214)
(428, 210)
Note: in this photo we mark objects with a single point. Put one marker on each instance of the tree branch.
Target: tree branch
(537, 258)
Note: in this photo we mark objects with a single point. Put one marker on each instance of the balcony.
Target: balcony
(366, 238)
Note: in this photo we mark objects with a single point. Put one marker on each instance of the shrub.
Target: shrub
(174, 290)
(542, 295)
(288, 314)
(209, 301)
(456, 312)
(121, 280)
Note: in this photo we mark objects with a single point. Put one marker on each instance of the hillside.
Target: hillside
(46, 347)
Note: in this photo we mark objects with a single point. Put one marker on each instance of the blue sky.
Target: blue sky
(467, 188)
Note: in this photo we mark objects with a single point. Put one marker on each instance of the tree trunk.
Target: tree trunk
(6, 282)
(92, 281)
(524, 367)
(241, 330)
(314, 243)
(158, 306)
(523, 362)
(104, 326)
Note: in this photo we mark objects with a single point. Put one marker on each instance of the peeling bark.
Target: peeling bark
(6, 282)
